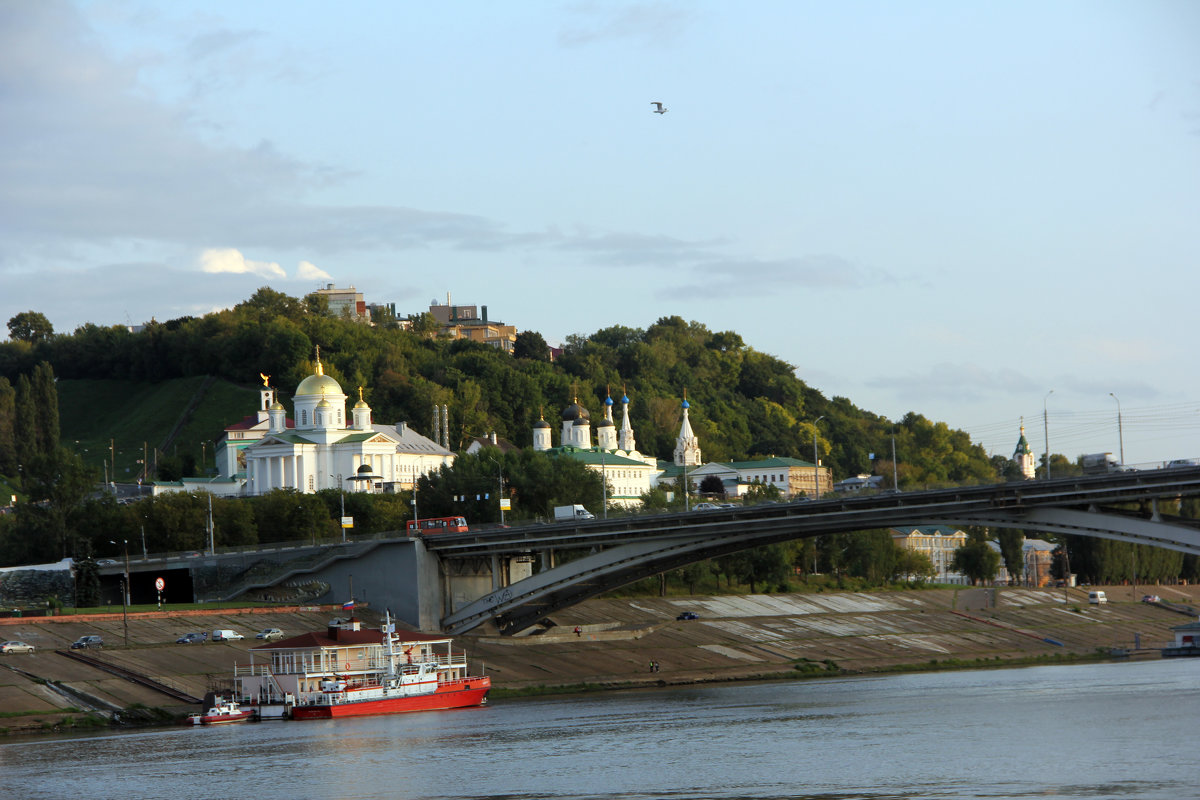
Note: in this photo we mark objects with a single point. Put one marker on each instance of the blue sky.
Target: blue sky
(943, 207)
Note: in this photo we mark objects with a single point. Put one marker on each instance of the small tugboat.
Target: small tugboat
(353, 671)
(220, 711)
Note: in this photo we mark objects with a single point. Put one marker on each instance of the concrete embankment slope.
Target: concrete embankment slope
(736, 637)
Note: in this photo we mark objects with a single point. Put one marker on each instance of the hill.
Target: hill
(178, 417)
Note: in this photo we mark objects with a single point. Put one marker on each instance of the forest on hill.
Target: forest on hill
(744, 404)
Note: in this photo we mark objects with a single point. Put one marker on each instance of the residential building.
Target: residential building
(938, 542)
(471, 322)
(346, 303)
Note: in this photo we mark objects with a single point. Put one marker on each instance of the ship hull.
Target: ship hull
(464, 693)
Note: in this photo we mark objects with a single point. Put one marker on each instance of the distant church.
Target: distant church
(320, 447)
(627, 473)
(1023, 456)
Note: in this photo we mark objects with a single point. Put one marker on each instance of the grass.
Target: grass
(133, 414)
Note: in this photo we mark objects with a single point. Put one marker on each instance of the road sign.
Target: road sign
(160, 584)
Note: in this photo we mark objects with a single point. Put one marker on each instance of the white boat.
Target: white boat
(220, 711)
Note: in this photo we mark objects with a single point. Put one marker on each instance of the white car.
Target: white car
(270, 634)
(705, 507)
(16, 647)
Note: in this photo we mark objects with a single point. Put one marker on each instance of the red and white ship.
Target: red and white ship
(352, 671)
(220, 711)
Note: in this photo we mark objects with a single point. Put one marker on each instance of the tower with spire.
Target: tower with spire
(687, 446)
(1023, 455)
(625, 438)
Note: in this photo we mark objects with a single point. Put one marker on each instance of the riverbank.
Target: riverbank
(734, 638)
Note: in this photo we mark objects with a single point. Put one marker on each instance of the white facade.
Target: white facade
(327, 449)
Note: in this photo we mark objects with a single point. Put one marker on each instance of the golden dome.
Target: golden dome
(318, 383)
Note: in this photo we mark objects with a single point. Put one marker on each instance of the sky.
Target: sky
(986, 213)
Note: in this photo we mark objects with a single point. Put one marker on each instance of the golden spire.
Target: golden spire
(266, 380)
(320, 371)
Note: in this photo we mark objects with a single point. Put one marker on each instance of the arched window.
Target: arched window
(304, 416)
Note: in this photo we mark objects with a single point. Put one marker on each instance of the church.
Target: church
(329, 448)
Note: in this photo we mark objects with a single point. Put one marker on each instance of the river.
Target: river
(1108, 730)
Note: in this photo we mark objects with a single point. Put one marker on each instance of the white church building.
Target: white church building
(331, 449)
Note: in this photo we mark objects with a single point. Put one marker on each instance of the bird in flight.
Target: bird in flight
(659, 109)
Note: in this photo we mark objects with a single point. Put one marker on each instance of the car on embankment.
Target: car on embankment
(88, 642)
(269, 634)
(16, 647)
(196, 637)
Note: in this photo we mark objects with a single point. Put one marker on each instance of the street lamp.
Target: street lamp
(125, 591)
(816, 472)
(1120, 429)
(342, 520)
(1046, 431)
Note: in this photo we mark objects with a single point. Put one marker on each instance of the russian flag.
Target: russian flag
(348, 605)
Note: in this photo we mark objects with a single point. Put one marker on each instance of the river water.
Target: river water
(1084, 731)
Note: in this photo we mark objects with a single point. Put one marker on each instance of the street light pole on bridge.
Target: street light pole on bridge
(1046, 431)
(1120, 428)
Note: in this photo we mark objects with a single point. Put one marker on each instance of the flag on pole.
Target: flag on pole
(348, 605)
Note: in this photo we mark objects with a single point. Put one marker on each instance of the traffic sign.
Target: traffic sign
(160, 584)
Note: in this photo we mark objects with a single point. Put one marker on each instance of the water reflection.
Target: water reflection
(1081, 732)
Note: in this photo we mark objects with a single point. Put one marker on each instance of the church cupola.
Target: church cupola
(1023, 456)
(319, 401)
(687, 446)
(625, 437)
(541, 434)
(606, 431)
(362, 413)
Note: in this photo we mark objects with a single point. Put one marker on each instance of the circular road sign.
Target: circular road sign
(159, 584)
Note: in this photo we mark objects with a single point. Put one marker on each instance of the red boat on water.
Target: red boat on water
(353, 671)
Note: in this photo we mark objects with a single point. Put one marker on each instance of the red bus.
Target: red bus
(437, 525)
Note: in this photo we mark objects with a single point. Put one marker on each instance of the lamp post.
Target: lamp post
(1120, 428)
(816, 469)
(342, 519)
(125, 591)
(212, 546)
(1046, 431)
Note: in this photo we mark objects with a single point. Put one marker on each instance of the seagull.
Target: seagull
(660, 109)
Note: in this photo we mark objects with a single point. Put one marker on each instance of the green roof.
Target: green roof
(773, 462)
(595, 457)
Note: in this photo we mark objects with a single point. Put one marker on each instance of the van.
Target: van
(1097, 598)
(225, 635)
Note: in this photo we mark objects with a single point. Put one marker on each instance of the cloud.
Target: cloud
(230, 260)
(310, 271)
(958, 383)
(746, 277)
(650, 23)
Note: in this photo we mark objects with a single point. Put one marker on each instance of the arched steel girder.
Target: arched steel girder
(524, 603)
(637, 547)
(1135, 530)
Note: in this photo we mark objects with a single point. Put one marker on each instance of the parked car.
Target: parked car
(198, 637)
(705, 507)
(226, 635)
(1151, 598)
(270, 634)
(86, 642)
(16, 647)
(688, 615)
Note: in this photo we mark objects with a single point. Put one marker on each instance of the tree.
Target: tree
(712, 486)
(977, 560)
(424, 324)
(913, 565)
(30, 326)
(1011, 542)
(531, 345)
(8, 414)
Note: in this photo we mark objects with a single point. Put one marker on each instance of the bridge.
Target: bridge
(1120, 506)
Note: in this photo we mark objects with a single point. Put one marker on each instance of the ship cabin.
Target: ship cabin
(290, 671)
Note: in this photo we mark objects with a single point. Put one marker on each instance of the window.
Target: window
(311, 485)
(304, 416)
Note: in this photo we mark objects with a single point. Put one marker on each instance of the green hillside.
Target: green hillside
(133, 414)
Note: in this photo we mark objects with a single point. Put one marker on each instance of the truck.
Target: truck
(573, 512)
(1099, 464)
